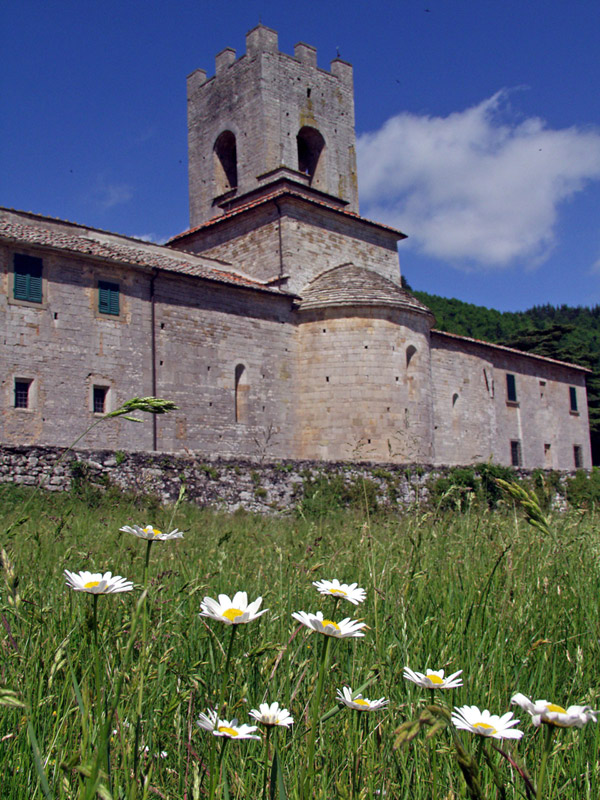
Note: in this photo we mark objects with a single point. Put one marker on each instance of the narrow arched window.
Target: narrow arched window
(454, 399)
(241, 394)
(410, 351)
(310, 150)
(225, 159)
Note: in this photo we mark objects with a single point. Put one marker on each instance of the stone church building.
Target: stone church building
(277, 323)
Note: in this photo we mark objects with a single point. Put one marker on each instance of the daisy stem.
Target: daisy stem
(96, 652)
(310, 774)
(214, 778)
(226, 670)
(497, 777)
(142, 661)
(264, 794)
(549, 734)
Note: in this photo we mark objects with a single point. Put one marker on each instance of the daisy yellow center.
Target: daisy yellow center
(156, 532)
(330, 622)
(337, 591)
(435, 679)
(91, 584)
(485, 727)
(232, 614)
(228, 731)
(556, 709)
(360, 702)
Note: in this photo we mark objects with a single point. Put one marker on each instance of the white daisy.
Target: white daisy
(470, 718)
(152, 533)
(351, 592)
(358, 702)
(232, 612)
(231, 730)
(272, 715)
(433, 679)
(542, 711)
(341, 630)
(97, 583)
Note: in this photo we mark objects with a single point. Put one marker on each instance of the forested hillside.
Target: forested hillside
(566, 333)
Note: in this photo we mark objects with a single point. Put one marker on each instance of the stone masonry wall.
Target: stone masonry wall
(65, 347)
(311, 240)
(475, 421)
(358, 398)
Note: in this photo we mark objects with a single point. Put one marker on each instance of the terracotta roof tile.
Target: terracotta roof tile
(273, 196)
(35, 230)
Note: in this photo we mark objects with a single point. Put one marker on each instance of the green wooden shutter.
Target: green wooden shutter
(27, 278)
(573, 398)
(108, 298)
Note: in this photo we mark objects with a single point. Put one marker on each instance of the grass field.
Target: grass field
(483, 592)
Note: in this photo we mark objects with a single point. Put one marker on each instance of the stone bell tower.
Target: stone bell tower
(267, 117)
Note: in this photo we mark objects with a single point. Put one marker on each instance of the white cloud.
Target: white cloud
(478, 187)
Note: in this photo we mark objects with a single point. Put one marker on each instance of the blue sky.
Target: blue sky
(478, 125)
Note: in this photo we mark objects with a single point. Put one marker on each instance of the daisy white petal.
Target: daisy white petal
(272, 715)
(433, 679)
(351, 592)
(209, 720)
(542, 711)
(231, 730)
(96, 582)
(358, 702)
(152, 533)
(470, 718)
(232, 612)
(344, 629)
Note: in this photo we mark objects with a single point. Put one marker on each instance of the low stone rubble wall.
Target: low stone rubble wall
(221, 483)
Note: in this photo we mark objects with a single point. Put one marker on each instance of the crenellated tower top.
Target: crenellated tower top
(268, 117)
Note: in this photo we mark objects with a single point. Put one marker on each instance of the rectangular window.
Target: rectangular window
(511, 388)
(99, 399)
(22, 393)
(27, 278)
(573, 399)
(108, 298)
(577, 456)
(515, 453)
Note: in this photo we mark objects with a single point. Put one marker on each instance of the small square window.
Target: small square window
(99, 399)
(27, 278)
(577, 456)
(573, 399)
(515, 453)
(22, 393)
(511, 388)
(108, 298)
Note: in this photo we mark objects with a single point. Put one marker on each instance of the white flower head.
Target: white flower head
(272, 715)
(351, 592)
(340, 630)
(151, 533)
(470, 718)
(542, 711)
(231, 730)
(232, 612)
(96, 582)
(433, 679)
(358, 702)
(222, 727)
